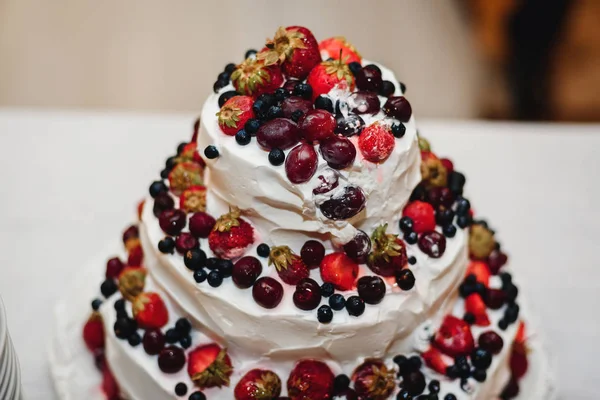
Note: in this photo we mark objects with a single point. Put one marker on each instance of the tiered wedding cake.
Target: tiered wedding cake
(308, 244)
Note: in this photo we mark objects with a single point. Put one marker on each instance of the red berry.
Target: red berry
(369, 78)
(131, 232)
(245, 271)
(109, 385)
(150, 311)
(290, 268)
(389, 253)
(519, 364)
(398, 107)
(301, 163)
(267, 292)
(371, 289)
(422, 215)
(317, 125)
(364, 103)
(434, 360)
(114, 266)
(447, 164)
(253, 78)
(185, 242)
(373, 380)
(329, 75)
(312, 253)
(153, 341)
(184, 176)
(310, 379)
(172, 221)
(440, 196)
(495, 299)
(209, 366)
(480, 270)
(93, 332)
(433, 244)
(162, 202)
(496, 260)
(201, 224)
(376, 143)
(340, 270)
(234, 114)
(136, 255)
(193, 199)
(491, 342)
(332, 47)
(474, 304)
(344, 205)
(296, 47)
(278, 133)
(171, 359)
(359, 247)
(258, 384)
(339, 152)
(328, 181)
(295, 103)
(231, 235)
(454, 337)
(307, 295)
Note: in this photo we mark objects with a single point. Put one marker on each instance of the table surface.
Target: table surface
(72, 179)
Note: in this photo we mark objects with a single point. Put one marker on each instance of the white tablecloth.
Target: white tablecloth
(70, 182)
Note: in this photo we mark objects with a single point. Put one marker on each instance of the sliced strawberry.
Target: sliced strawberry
(193, 199)
(447, 164)
(339, 48)
(521, 333)
(93, 332)
(330, 74)
(454, 337)
(475, 305)
(258, 384)
(481, 271)
(422, 215)
(290, 267)
(434, 359)
(150, 311)
(340, 270)
(234, 114)
(253, 78)
(209, 366)
(131, 282)
(231, 235)
(109, 385)
(136, 256)
(433, 171)
(376, 142)
(184, 176)
(140, 209)
(519, 363)
(373, 380)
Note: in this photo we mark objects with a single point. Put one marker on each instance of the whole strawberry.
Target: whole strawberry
(328, 75)
(234, 114)
(231, 235)
(258, 384)
(93, 332)
(193, 199)
(209, 366)
(339, 270)
(295, 48)
(150, 311)
(290, 267)
(422, 215)
(310, 380)
(373, 380)
(339, 48)
(253, 78)
(454, 337)
(376, 142)
(184, 176)
(388, 254)
(131, 282)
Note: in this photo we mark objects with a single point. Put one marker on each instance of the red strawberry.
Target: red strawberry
(295, 48)
(475, 305)
(93, 332)
(201, 224)
(131, 282)
(454, 337)
(150, 311)
(328, 75)
(140, 209)
(422, 214)
(290, 267)
(519, 364)
(234, 114)
(480, 270)
(189, 153)
(253, 78)
(310, 380)
(231, 235)
(136, 256)
(340, 270)
(109, 385)
(433, 171)
(339, 48)
(258, 384)
(373, 380)
(434, 359)
(447, 164)
(193, 199)
(185, 175)
(209, 366)
(376, 142)
(389, 253)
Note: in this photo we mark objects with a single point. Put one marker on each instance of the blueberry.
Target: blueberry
(303, 90)
(324, 314)
(252, 126)
(411, 237)
(512, 313)
(479, 375)
(419, 193)
(354, 67)
(400, 360)
(225, 268)
(463, 221)
(274, 112)
(398, 130)
(263, 250)
(172, 336)
(215, 279)
(404, 395)
(327, 289)
(402, 87)
(276, 157)
(340, 384)
(134, 339)
(481, 359)
(96, 303)
(218, 85)
(480, 288)
(242, 137)
(415, 363)
(267, 99)
(186, 342)
(224, 76)
(181, 147)
(387, 89)
(181, 389)
(466, 289)
(512, 292)
(355, 306)
(171, 162)
(449, 231)
(260, 108)
(164, 173)
(324, 103)
(444, 216)
(122, 314)
(337, 302)
(456, 182)
(463, 206)
(197, 396)
(124, 327)
(281, 94)
(108, 288)
(412, 260)
(157, 187)
(211, 152)
(249, 53)
(183, 325)
(296, 115)
(503, 324)
(449, 396)
(452, 371)
(469, 318)
(506, 279)
(406, 224)
(119, 305)
(212, 263)
(229, 68)
(434, 386)
(166, 245)
(194, 259)
(200, 276)
(226, 96)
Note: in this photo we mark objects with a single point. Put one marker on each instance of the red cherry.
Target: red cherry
(245, 271)
(267, 292)
(301, 163)
(172, 221)
(201, 224)
(440, 196)
(317, 125)
(114, 266)
(496, 260)
(433, 244)
(344, 205)
(369, 78)
(491, 342)
(398, 107)
(364, 103)
(162, 202)
(312, 253)
(295, 103)
(495, 298)
(185, 242)
(278, 133)
(359, 247)
(153, 341)
(171, 359)
(339, 152)
(307, 295)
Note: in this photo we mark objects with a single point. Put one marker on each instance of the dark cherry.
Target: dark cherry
(201, 224)
(419, 192)
(369, 78)
(364, 103)
(301, 163)
(350, 125)
(171, 359)
(344, 205)
(496, 260)
(267, 292)
(495, 298)
(359, 247)
(114, 266)
(405, 279)
(398, 107)
(162, 202)
(153, 341)
(316, 125)
(245, 271)
(440, 196)
(172, 221)
(491, 342)
(307, 295)
(433, 244)
(329, 181)
(371, 289)
(278, 133)
(290, 84)
(414, 383)
(312, 253)
(511, 390)
(295, 103)
(339, 152)
(185, 242)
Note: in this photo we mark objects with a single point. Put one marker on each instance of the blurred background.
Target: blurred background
(500, 59)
